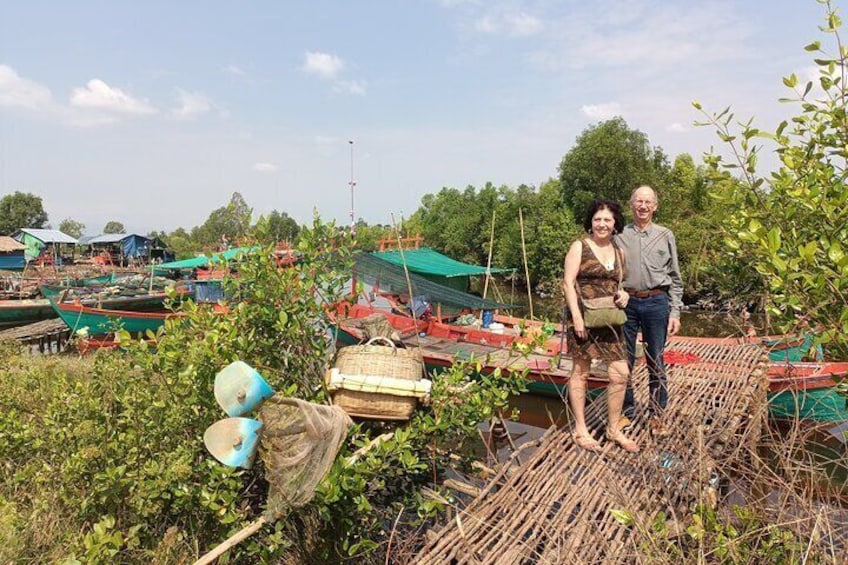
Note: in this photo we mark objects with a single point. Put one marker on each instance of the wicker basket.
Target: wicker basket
(378, 360)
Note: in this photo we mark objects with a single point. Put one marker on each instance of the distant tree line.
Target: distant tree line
(608, 160)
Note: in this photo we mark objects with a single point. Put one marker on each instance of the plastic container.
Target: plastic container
(496, 328)
(488, 318)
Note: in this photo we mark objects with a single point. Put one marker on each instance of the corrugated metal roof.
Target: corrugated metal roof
(8, 244)
(112, 237)
(49, 236)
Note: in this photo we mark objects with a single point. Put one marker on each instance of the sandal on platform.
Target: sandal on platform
(586, 441)
(623, 441)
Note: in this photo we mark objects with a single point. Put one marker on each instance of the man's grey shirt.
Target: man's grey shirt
(650, 256)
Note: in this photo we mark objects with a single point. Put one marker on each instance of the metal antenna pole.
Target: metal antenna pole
(352, 185)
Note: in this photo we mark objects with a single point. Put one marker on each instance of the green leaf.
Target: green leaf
(814, 46)
(808, 251)
(835, 252)
(622, 517)
(791, 80)
(774, 239)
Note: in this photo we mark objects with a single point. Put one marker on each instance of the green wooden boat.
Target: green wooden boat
(17, 312)
(102, 321)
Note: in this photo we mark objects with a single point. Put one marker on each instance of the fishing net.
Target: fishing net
(299, 443)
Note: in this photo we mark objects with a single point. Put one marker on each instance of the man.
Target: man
(656, 294)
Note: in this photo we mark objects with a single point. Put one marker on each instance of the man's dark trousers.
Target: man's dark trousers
(651, 315)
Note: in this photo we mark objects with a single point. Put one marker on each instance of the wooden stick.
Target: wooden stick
(489, 263)
(526, 269)
(367, 447)
(232, 541)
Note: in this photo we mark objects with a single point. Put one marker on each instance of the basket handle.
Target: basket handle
(385, 340)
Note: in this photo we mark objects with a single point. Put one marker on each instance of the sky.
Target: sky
(154, 113)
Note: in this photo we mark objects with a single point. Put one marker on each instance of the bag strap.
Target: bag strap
(619, 260)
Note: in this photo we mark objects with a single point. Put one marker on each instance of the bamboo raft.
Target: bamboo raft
(47, 335)
(555, 503)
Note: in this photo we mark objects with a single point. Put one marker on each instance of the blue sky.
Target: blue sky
(153, 113)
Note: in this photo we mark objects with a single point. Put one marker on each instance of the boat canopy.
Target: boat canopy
(390, 277)
(204, 260)
(437, 267)
(427, 261)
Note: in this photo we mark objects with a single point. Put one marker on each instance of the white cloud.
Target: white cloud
(513, 24)
(652, 35)
(676, 127)
(16, 91)
(191, 105)
(100, 96)
(325, 65)
(265, 167)
(234, 70)
(356, 87)
(602, 111)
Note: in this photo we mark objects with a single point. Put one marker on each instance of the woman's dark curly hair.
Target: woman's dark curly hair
(604, 204)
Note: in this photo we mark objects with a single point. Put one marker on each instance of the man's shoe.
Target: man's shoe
(658, 428)
(624, 423)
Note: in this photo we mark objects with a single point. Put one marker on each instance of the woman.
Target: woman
(597, 267)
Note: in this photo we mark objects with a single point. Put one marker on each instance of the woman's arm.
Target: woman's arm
(572, 267)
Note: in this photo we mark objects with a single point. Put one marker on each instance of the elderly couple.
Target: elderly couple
(637, 265)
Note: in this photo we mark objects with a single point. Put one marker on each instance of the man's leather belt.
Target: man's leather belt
(644, 293)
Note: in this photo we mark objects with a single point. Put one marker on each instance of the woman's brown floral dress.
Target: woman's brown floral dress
(594, 281)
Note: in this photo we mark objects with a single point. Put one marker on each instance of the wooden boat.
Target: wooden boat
(102, 321)
(545, 369)
(138, 300)
(28, 310)
(804, 390)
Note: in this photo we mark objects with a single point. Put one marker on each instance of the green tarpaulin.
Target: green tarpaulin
(203, 260)
(436, 267)
(426, 261)
(820, 405)
(391, 278)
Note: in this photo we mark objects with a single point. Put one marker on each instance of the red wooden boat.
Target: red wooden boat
(441, 344)
(548, 368)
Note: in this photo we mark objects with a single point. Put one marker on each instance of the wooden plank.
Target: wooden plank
(555, 507)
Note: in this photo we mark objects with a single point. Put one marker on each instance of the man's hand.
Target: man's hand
(673, 326)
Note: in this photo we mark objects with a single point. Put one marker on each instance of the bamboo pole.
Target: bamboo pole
(408, 279)
(526, 268)
(489, 262)
(232, 541)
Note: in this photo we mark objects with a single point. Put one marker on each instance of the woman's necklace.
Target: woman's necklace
(608, 264)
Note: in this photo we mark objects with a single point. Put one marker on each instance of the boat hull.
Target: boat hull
(546, 373)
(102, 321)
